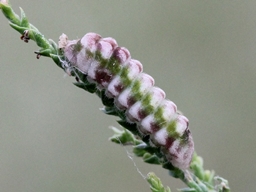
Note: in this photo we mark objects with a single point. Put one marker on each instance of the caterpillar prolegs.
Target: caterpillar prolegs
(112, 69)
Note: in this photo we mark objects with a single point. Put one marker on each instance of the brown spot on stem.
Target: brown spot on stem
(25, 36)
(38, 55)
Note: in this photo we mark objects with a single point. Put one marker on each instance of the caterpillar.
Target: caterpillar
(112, 70)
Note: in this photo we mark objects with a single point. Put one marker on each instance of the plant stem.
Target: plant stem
(199, 180)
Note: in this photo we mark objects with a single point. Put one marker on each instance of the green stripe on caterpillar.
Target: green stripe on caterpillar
(112, 70)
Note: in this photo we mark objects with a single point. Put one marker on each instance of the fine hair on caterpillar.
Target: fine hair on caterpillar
(121, 78)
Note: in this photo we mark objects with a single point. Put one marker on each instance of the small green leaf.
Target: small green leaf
(123, 137)
(222, 186)
(156, 184)
(109, 111)
(24, 20)
(56, 59)
(18, 28)
(151, 159)
(187, 190)
(90, 88)
(105, 100)
(54, 46)
(44, 52)
(130, 126)
(208, 176)
(9, 13)
(175, 172)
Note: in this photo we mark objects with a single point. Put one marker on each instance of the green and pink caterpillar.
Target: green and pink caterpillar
(112, 70)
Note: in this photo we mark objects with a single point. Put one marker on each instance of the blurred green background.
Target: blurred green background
(53, 138)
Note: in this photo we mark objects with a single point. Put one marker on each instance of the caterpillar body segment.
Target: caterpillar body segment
(112, 70)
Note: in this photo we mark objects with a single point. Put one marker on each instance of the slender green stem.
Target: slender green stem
(199, 180)
(29, 32)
